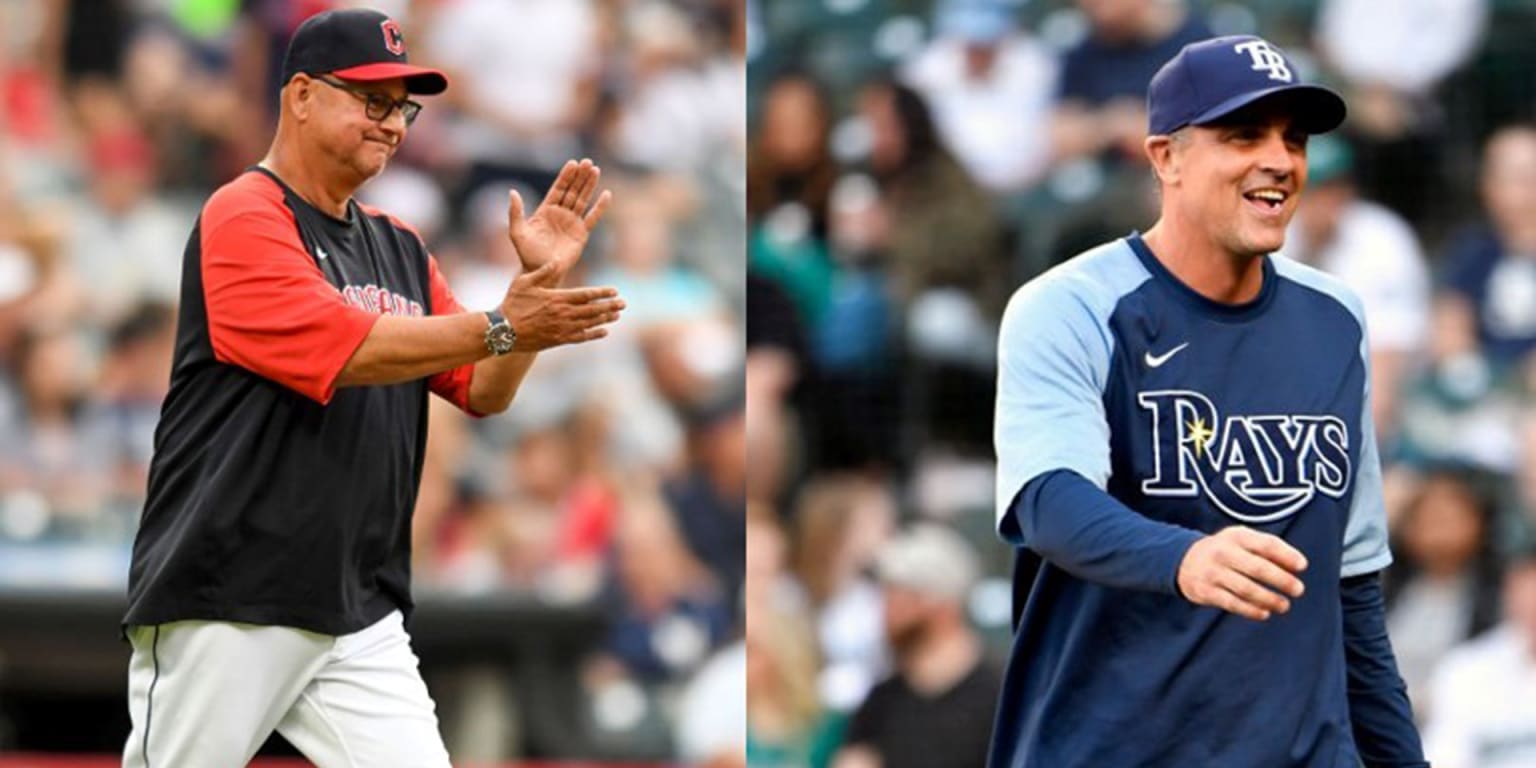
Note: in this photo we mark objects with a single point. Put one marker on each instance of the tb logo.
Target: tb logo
(1265, 57)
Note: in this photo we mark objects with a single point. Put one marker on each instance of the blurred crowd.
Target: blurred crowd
(912, 162)
(617, 478)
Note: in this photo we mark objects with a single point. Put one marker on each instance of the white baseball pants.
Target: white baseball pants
(208, 693)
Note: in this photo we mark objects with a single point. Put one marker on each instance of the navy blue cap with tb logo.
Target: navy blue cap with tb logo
(1210, 79)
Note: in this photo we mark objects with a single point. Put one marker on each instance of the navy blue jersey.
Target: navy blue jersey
(1200, 415)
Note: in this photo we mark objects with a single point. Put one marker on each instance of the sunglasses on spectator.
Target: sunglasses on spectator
(377, 105)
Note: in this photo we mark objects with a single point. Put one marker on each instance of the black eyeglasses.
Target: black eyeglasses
(377, 105)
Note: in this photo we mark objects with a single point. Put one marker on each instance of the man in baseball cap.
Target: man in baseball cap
(935, 711)
(270, 582)
(1206, 588)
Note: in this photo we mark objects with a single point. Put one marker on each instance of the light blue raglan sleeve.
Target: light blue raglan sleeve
(1365, 534)
(1053, 365)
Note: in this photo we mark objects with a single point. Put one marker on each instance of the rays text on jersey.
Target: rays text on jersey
(1255, 468)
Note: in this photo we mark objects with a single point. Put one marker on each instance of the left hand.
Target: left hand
(558, 230)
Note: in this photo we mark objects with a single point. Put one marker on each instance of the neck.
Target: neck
(941, 661)
(1204, 266)
(309, 176)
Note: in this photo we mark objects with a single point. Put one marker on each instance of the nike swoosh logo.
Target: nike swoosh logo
(1156, 361)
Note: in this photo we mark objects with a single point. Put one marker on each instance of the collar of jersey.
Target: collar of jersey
(1189, 297)
(343, 224)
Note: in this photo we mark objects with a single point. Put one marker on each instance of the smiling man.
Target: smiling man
(270, 581)
(1188, 464)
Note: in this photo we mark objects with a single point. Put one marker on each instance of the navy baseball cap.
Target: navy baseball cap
(357, 44)
(1210, 79)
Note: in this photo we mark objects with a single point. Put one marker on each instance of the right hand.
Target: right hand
(1242, 571)
(544, 316)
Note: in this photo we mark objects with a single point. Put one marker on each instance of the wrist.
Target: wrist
(500, 338)
(1182, 550)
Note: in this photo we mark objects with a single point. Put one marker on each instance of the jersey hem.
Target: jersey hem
(320, 622)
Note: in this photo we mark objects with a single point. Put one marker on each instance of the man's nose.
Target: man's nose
(1276, 156)
(394, 124)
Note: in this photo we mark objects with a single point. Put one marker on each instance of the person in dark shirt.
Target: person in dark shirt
(270, 579)
(936, 711)
(1485, 309)
(1101, 99)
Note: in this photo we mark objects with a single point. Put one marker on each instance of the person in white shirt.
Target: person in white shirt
(1376, 253)
(1482, 705)
(990, 87)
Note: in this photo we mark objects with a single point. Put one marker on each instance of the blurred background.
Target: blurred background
(912, 162)
(578, 561)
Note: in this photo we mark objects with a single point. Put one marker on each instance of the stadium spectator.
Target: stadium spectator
(526, 83)
(643, 259)
(942, 231)
(119, 236)
(787, 726)
(1488, 303)
(943, 248)
(788, 162)
(667, 611)
(708, 496)
(768, 584)
(682, 109)
(712, 715)
(775, 365)
(486, 256)
(121, 416)
(1101, 98)
(991, 86)
(1443, 589)
(839, 524)
(1376, 253)
(1481, 710)
(1399, 127)
(48, 462)
(936, 711)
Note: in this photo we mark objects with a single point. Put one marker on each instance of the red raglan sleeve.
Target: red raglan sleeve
(270, 310)
(453, 384)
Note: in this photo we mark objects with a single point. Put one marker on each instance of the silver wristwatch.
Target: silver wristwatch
(499, 337)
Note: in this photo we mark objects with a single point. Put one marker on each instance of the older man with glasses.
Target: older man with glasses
(271, 573)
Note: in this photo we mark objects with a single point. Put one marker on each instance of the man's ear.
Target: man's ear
(1163, 155)
(300, 95)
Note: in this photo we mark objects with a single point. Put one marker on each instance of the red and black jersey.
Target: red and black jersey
(274, 497)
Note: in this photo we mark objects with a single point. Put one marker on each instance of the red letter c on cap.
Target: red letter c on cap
(394, 39)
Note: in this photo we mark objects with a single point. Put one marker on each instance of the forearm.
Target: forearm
(496, 380)
(1379, 711)
(401, 349)
(1090, 534)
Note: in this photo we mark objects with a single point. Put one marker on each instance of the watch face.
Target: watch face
(501, 338)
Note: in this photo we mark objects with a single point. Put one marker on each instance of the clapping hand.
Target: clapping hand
(558, 230)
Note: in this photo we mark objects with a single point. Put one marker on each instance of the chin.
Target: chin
(372, 168)
(1261, 241)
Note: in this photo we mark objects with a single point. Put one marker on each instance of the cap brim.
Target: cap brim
(1317, 109)
(422, 80)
